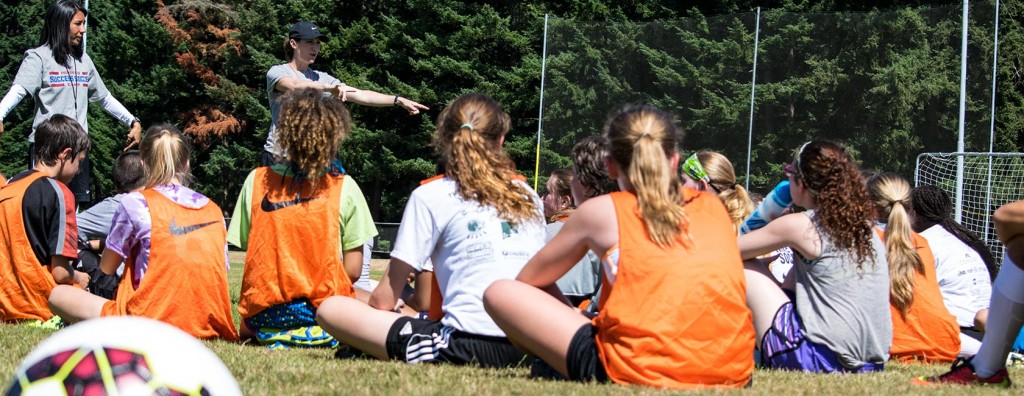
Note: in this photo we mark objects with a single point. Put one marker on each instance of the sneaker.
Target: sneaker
(54, 323)
(307, 337)
(1015, 359)
(962, 373)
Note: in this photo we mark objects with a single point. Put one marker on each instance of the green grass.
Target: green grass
(264, 372)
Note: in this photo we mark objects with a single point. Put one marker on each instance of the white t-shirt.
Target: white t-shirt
(470, 247)
(963, 279)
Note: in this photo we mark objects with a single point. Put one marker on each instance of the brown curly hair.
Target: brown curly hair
(844, 212)
(310, 128)
(469, 135)
(588, 164)
(641, 139)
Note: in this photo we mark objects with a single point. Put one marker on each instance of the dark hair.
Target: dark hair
(55, 31)
(932, 206)
(129, 173)
(289, 52)
(588, 162)
(56, 134)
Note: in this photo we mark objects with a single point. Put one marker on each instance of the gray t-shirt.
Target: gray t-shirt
(274, 75)
(843, 308)
(95, 222)
(584, 278)
(57, 89)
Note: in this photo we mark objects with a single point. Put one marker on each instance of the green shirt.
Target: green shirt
(356, 222)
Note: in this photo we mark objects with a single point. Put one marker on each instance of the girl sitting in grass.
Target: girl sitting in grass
(838, 318)
(672, 303)
(303, 223)
(174, 241)
(922, 327)
(477, 223)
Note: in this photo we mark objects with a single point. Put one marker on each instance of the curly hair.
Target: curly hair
(723, 181)
(310, 128)
(588, 163)
(641, 138)
(469, 137)
(844, 211)
(932, 206)
(891, 195)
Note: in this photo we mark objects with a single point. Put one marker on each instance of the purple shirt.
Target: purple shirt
(131, 226)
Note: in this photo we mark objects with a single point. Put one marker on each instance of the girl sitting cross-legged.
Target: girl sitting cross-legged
(477, 223)
(672, 313)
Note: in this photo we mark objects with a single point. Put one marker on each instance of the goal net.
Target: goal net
(989, 181)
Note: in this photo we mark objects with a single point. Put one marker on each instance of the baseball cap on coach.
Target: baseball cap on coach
(304, 31)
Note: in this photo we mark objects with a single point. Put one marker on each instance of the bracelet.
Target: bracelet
(396, 100)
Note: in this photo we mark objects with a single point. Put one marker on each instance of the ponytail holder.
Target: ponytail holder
(645, 134)
(467, 126)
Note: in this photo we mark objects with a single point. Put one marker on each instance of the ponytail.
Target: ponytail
(469, 134)
(723, 181)
(891, 194)
(165, 156)
(641, 140)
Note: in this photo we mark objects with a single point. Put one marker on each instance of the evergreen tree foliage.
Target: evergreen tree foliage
(881, 76)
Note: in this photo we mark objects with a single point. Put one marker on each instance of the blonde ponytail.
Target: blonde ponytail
(641, 141)
(723, 181)
(165, 156)
(891, 194)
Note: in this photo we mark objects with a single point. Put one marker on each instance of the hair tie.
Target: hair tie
(645, 134)
(467, 126)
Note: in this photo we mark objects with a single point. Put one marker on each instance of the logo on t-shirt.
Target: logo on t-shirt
(268, 206)
(177, 230)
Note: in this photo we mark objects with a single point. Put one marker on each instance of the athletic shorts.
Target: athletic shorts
(424, 341)
(785, 347)
(582, 360)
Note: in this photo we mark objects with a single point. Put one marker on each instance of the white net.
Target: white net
(990, 180)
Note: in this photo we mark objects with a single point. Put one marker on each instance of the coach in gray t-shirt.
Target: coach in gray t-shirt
(62, 79)
(301, 48)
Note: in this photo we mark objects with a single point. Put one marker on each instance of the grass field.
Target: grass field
(314, 372)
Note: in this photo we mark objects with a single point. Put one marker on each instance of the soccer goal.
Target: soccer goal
(988, 181)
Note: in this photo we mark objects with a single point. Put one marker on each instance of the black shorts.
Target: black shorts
(582, 360)
(423, 341)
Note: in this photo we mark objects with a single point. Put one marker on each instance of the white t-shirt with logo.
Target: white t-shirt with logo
(963, 279)
(470, 247)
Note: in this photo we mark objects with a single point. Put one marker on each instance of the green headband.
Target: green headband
(695, 170)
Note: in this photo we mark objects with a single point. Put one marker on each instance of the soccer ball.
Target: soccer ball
(122, 356)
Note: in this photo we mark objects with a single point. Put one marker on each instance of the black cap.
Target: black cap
(304, 31)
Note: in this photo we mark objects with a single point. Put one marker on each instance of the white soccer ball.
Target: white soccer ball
(122, 356)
